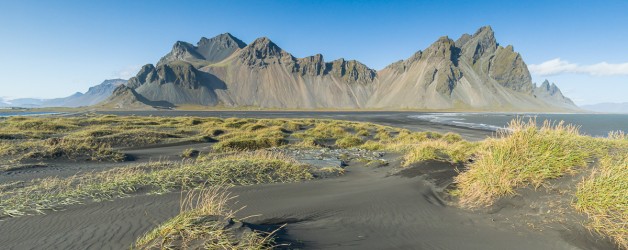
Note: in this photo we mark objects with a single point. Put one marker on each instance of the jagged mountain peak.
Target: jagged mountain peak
(263, 52)
(146, 72)
(444, 47)
(463, 40)
(482, 43)
(548, 87)
(218, 48)
(486, 30)
(312, 65)
(181, 51)
(224, 38)
(351, 71)
(182, 45)
(263, 44)
(551, 92)
(443, 42)
(207, 51)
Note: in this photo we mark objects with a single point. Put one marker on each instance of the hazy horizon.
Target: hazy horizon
(56, 49)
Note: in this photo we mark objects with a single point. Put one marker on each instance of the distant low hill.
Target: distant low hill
(608, 107)
(94, 95)
(473, 72)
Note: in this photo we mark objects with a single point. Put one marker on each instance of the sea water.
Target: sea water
(590, 124)
(7, 114)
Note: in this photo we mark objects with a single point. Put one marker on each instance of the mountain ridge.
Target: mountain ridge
(474, 72)
(608, 107)
(92, 96)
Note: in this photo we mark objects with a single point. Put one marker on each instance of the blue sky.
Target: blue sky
(55, 48)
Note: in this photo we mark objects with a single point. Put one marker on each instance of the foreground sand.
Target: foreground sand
(367, 208)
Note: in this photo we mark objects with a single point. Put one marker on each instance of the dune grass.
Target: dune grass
(243, 168)
(524, 155)
(603, 195)
(349, 141)
(200, 225)
(530, 155)
(458, 151)
(54, 148)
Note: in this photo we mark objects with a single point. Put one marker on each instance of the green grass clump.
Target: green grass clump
(199, 225)
(349, 141)
(190, 153)
(603, 196)
(527, 155)
(324, 130)
(251, 140)
(55, 148)
(237, 169)
(308, 143)
(441, 149)
(236, 123)
(382, 134)
(249, 144)
(125, 137)
(372, 145)
(451, 137)
(39, 124)
(363, 132)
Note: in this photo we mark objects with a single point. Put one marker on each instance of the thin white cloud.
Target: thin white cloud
(558, 66)
(127, 72)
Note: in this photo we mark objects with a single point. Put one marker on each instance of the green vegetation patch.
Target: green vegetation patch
(205, 222)
(603, 196)
(527, 155)
(55, 148)
(241, 169)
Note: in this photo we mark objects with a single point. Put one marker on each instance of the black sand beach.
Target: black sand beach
(367, 208)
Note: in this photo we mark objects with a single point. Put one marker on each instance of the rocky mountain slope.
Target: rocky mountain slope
(471, 73)
(124, 97)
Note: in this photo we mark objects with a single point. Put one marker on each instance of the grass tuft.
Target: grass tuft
(203, 222)
(244, 168)
(349, 142)
(603, 196)
(524, 155)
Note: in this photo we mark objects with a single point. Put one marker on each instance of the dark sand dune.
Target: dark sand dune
(365, 209)
(66, 168)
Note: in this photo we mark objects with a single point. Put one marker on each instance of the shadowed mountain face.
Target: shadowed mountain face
(124, 97)
(473, 72)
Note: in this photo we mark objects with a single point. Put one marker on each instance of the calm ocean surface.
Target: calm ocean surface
(5, 114)
(591, 124)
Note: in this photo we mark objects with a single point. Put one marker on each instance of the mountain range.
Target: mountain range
(94, 95)
(473, 72)
(608, 107)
